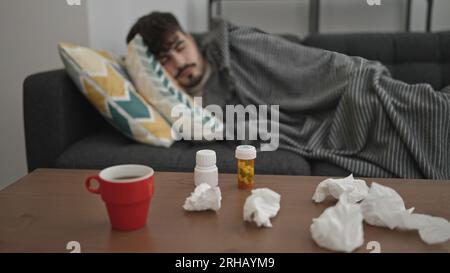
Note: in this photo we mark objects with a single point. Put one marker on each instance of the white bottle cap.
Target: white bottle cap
(245, 152)
(205, 158)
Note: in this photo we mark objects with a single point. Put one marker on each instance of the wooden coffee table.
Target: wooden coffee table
(48, 208)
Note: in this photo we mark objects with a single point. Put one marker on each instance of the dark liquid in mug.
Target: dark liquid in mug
(126, 177)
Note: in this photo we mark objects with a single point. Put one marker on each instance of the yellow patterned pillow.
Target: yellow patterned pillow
(101, 77)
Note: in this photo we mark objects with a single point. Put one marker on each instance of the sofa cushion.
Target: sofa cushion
(321, 168)
(107, 147)
(102, 78)
(410, 57)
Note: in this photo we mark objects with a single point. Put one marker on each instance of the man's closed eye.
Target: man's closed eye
(164, 59)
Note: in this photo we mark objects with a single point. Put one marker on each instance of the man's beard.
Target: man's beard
(193, 81)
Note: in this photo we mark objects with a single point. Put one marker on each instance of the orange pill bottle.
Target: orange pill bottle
(245, 155)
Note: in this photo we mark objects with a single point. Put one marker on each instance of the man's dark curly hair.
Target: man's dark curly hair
(155, 28)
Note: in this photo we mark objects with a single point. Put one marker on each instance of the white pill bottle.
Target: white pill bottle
(205, 169)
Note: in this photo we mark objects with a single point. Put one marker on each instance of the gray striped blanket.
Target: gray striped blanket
(335, 108)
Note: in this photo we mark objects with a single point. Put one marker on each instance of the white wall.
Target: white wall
(291, 16)
(110, 20)
(336, 16)
(441, 19)
(30, 31)
(358, 16)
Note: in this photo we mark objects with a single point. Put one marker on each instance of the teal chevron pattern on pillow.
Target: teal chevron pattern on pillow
(103, 80)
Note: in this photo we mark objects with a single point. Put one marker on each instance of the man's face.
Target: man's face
(183, 60)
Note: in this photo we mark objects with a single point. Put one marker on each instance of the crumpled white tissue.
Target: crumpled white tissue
(355, 189)
(339, 228)
(262, 205)
(204, 197)
(384, 207)
(432, 230)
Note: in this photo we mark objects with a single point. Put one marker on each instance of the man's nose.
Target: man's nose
(178, 60)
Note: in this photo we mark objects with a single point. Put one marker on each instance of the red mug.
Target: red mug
(127, 191)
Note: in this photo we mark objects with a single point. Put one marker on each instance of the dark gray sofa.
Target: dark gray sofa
(63, 130)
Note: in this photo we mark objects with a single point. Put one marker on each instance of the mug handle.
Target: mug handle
(87, 184)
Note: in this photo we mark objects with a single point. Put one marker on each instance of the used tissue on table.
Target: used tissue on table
(340, 227)
(204, 197)
(432, 230)
(385, 207)
(356, 189)
(262, 205)
(380, 206)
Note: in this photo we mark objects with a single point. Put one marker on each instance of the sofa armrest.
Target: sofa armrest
(56, 115)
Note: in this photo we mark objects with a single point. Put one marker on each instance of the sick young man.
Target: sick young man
(345, 110)
(176, 50)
